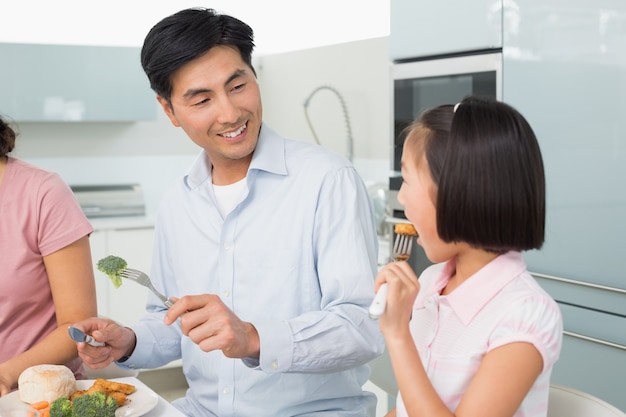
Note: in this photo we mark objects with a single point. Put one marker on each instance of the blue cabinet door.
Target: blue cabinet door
(74, 83)
(422, 28)
(573, 92)
(565, 70)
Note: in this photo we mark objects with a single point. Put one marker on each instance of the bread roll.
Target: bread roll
(405, 229)
(46, 382)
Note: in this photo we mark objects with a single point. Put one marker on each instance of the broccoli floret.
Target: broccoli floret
(61, 407)
(97, 404)
(113, 267)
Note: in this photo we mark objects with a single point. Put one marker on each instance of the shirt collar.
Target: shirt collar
(469, 298)
(269, 155)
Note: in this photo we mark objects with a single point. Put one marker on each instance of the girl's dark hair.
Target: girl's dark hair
(185, 36)
(486, 163)
(7, 138)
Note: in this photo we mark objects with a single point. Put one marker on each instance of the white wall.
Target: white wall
(360, 72)
(279, 25)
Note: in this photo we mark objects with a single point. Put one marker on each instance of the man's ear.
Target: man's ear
(168, 110)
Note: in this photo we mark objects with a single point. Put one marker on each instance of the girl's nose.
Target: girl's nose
(400, 195)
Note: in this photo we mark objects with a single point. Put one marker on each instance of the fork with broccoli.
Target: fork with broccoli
(116, 268)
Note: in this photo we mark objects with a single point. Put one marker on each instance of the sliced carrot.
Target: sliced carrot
(45, 412)
(40, 405)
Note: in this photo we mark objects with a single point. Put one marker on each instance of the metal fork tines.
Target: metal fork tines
(143, 279)
(402, 247)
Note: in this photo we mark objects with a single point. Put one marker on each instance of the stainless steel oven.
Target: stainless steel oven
(424, 83)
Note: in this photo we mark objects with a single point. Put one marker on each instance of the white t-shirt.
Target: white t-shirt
(228, 195)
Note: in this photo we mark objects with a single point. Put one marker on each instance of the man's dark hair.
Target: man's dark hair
(185, 36)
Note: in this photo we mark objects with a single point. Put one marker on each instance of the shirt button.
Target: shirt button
(226, 390)
(274, 364)
(227, 246)
(226, 294)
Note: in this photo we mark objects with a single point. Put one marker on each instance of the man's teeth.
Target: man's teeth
(235, 133)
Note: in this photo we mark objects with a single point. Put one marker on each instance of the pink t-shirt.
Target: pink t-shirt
(38, 216)
(500, 304)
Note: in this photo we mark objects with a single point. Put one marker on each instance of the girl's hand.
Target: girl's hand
(403, 289)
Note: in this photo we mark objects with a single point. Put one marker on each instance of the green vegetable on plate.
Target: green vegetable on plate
(97, 404)
(113, 267)
(61, 407)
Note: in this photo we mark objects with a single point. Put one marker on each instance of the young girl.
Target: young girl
(476, 335)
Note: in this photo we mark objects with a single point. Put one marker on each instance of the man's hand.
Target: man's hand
(119, 341)
(213, 326)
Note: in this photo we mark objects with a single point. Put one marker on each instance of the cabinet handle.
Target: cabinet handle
(594, 340)
(130, 228)
(580, 283)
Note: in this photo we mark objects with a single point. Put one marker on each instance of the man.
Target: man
(269, 243)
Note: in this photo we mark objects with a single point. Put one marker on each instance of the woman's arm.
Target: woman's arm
(70, 273)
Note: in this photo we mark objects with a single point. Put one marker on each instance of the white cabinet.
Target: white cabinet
(125, 304)
(422, 28)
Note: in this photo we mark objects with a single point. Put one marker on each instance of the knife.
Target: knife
(79, 336)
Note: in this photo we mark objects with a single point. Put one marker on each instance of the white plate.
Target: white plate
(138, 403)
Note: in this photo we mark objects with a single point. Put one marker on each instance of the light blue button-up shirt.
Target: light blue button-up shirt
(296, 257)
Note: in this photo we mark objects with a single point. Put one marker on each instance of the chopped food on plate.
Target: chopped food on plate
(52, 391)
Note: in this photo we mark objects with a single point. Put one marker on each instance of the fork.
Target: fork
(142, 279)
(402, 246)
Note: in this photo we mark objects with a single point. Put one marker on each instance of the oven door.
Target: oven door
(420, 85)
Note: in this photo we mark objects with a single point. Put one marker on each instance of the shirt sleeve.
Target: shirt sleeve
(61, 220)
(157, 344)
(537, 321)
(340, 334)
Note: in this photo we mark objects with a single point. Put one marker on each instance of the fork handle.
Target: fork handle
(380, 302)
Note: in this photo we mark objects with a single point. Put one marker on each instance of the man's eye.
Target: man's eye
(239, 86)
(201, 102)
